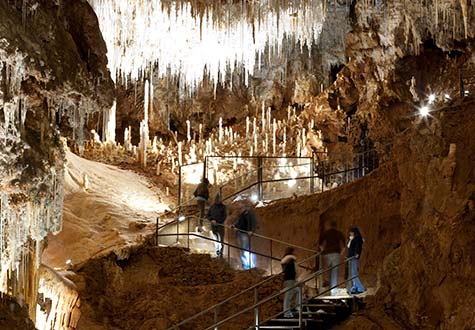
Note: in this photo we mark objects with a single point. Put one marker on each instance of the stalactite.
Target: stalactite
(184, 43)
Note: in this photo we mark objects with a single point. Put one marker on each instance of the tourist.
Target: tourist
(202, 194)
(245, 227)
(332, 245)
(217, 216)
(290, 274)
(355, 247)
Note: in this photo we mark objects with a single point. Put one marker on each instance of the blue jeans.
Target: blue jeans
(333, 260)
(247, 258)
(289, 296)
(357, 285)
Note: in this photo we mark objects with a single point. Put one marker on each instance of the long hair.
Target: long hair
(356, 230)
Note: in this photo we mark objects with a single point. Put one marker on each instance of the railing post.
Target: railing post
(177, 219)
(320, 276)
(259, 178)
(179, 185)
(205, 167)
(156, 230)
(312, 177)
(256, 309)
(323, 176)
(300, 305)
(271, 271)
(188, 236)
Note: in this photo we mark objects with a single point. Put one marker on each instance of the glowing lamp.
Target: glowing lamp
(424, 111)
(431, 98)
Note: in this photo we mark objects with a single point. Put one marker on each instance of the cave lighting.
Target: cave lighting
(447, 97)
(182, 218)
(432, 98)
(254, 197)
(424, 111)
(181, 43)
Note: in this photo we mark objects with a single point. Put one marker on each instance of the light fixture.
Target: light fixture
(447, 97)
(432, 98)
(424, 111)
(254, 197)
(182, 218)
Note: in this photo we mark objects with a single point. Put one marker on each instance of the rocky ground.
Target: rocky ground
(12, 316)
(153, 288)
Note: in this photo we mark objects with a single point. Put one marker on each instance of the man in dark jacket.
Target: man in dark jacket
(245, 226)
(332, 244)
(202, 194)
(290, 275)
(217, 215)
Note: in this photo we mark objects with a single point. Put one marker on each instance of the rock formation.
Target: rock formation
(52, 76)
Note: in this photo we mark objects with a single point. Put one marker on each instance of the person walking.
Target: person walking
(202, 194)
(217, 216)
(332, 245)
(355, 248)
(290, 275)
(245, 227)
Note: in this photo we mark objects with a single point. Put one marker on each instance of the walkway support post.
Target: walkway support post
(156, 230)
(260, 191)
(256, 309)
(179, 185)
(312, 177)
(320, 277)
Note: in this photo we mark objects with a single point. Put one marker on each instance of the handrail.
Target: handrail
(224, 243)
(255, 286)
(275, 295)
(316, 296)
(240, 230)
(263, 301)
(258, 235)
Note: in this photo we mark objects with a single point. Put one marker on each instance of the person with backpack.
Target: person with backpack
(355, 248)
(245, 227)
(217, 216)
(290, 276)
(202, 194)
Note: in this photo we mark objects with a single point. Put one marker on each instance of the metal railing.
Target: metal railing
(184, 229)
(263, 179)
(256, 306)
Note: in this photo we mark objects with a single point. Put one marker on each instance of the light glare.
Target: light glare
(424, 111)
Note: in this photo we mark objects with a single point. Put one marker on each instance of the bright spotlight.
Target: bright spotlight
(431, 98)
(182, 218)
(254, 197)
(424, 111)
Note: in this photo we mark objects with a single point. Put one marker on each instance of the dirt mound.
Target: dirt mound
(154, 288)
(12, 316)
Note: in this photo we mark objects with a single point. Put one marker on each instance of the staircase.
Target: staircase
(320, 313)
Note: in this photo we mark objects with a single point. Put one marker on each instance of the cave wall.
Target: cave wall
(51, 79)
(399, 54)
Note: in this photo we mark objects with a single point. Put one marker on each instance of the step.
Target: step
(279, 327)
